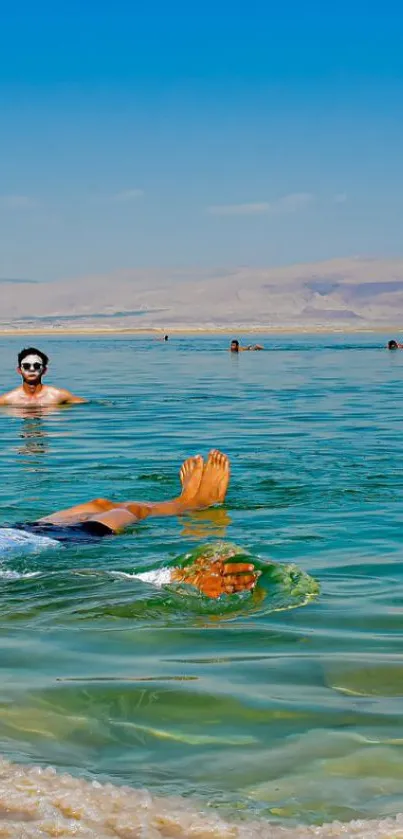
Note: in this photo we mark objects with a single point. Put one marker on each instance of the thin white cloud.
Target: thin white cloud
(293, 202)
(127, 195)
(340, 198)
(239, 209)
(16, 202)
(286, 204)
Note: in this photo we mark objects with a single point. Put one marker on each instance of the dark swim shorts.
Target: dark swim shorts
(84, 532)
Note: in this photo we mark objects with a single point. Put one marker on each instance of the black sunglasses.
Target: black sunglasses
(35, 366)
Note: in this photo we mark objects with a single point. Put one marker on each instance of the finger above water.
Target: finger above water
(240, 582)
(238, 567)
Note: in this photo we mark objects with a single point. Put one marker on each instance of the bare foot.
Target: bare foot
(215, 479)
(190, 474)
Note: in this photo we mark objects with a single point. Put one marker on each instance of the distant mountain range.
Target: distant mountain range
(341, 293)
(15, 280)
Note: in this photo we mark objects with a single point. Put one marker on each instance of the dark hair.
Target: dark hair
(392, 345)
(32, 351)
(234, 341)
(165, 337)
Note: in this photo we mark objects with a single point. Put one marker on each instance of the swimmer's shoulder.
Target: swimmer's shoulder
(12, 397)
(61, 396)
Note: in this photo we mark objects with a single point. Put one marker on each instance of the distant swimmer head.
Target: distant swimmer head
(393, 345)
(32, 364)
(234, 345)
(166, 337)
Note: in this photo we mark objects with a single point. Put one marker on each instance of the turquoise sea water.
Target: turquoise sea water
(292, 714)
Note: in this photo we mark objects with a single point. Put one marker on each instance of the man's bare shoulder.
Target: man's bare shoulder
(47, 397)
(12, 397)
(63, 396)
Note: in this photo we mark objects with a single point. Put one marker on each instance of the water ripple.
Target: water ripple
(293, 714)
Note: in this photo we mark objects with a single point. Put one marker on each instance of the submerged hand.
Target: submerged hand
(215, 577)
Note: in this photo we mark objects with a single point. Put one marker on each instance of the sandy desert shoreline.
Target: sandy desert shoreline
(352, 295)
(204, 330)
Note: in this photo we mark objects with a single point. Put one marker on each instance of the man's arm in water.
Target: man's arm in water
(67, 398)
(251, 347)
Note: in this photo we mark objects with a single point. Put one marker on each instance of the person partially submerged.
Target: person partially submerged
(393, 345)
(32, 366)
(235, 347)
(203, 485)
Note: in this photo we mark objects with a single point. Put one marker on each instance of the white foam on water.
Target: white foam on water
(36, 803)
(14, 540)
(8, 574)
(160, 577)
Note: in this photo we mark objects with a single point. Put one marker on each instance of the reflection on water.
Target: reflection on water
(32, 411)
(33, 430)
(35, 440)
(206, 524)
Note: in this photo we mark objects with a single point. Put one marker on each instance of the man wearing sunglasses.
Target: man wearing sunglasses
(32, 365)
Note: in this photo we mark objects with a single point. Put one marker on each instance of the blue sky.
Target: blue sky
(211, 135)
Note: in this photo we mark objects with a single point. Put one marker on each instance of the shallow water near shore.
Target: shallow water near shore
(290, 711)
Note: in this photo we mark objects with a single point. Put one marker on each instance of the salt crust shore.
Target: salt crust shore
(157, 332)
(36, 803)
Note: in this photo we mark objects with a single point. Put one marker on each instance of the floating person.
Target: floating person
(203, 485)
(32, 366)
(393, 345)
(235, 347)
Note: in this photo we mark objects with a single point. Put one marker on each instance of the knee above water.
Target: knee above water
(102, 503)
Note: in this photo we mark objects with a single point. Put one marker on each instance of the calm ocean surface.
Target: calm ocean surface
(295, 714)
